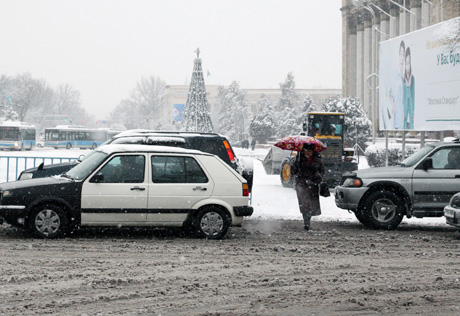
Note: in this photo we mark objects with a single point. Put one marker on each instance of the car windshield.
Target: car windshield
(83, 169)
(414, 158)
(93, 151)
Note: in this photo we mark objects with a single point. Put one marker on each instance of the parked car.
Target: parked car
(421, 186)
(452, 211)
(132, 185)
(208, 142)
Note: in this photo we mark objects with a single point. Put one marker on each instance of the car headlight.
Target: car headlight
(455, 201)
(352, 182)
(7, 193)
(26, 176)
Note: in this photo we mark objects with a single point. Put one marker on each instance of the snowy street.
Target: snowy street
(269, 266)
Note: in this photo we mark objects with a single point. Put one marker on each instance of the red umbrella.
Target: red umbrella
(296, 143)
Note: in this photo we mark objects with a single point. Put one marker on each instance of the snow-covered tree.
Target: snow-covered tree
(308, 105)
(67, 99)
(233, 112)
(289, 97)
(141, 109)
(262, 125)
(358, 126)
(148, 97)
(196, 112)
(23, 94)
(288, 109)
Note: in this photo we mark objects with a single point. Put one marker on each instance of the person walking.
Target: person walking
(308, 169)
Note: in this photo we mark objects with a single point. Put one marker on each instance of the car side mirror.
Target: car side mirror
(427, 163)
(99, 177)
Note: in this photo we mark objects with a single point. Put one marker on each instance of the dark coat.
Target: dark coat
(308, 177)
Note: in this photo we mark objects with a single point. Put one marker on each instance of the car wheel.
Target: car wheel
(287, 179)
(94, 146)
(361, 218)
(68, 146)
(211, 223)
(48, 221)
(383, 209)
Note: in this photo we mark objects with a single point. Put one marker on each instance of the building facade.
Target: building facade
(367, 23)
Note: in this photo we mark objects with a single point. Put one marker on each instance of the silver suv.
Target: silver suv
(421, 186)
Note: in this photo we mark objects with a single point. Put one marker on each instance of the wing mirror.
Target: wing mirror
(427, 163)
(99, 177)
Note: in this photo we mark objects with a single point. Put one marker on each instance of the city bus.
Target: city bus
(64, 136)
(17, 136)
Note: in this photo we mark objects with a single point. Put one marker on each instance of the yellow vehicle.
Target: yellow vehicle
(328, 127)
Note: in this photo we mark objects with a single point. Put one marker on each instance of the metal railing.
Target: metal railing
(11, 167)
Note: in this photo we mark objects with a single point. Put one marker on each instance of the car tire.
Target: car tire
(48, 221)
(94, 146)
(286, 177)
(383, 209)
(68, 146)
(211, 223)
(361, 218)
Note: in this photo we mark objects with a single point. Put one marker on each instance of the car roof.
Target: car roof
(147, 133)
(132, 148)
(454, 142)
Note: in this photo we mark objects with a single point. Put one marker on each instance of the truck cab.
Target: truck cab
(328, 127)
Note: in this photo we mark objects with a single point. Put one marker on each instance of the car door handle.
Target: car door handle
(457, 175)
(199, 188)
(137, 188)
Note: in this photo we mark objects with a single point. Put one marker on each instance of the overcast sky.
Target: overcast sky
(102, 48)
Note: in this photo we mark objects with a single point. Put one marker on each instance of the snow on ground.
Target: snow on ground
(269, 198)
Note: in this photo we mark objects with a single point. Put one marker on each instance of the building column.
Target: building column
(346, 48)
(394, 23)
(359, 59)
(352, 58)
(367, 60)
(416, 18)
(426, 14)
(404, 22)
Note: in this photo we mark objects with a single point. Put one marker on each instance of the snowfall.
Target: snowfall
(269, 198)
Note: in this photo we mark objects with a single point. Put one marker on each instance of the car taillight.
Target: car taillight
(229, 151)
(245, 189)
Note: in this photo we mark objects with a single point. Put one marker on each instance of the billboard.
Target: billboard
(178, 110)
(419, 80)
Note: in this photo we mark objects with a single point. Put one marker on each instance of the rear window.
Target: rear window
(211, 145)
(171, 169)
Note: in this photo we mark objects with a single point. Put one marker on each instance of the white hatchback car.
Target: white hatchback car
(132, 185)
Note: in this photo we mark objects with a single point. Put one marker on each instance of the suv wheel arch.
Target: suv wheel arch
(384, 206)
(391, 186)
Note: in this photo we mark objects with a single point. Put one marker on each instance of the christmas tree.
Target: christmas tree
(196, 113)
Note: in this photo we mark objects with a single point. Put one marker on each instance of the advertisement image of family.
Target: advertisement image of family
(400, 96)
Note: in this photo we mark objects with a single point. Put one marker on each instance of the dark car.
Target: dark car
(212, 143)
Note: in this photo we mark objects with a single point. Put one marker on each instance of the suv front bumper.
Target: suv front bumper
(348, 197)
